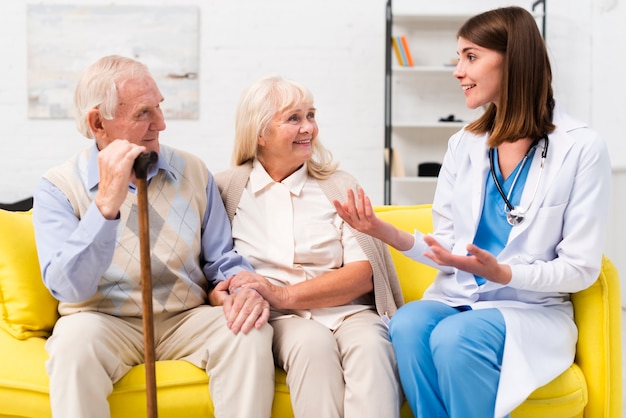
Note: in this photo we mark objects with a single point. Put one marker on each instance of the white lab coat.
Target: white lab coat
(555, 251)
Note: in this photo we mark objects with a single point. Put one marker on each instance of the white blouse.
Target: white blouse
(290, 233)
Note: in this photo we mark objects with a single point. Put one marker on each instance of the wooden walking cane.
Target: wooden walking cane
(141, 173)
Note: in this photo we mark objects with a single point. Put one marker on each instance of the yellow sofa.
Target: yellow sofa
(592, 387)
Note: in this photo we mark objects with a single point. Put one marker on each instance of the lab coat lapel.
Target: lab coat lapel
(479, 158)
(559, 145)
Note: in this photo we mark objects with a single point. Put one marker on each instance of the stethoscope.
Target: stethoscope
(515, 214)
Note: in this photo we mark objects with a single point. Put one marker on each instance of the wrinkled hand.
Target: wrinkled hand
(115, 165)
(478, 261)
(277, 296)
(244, 309)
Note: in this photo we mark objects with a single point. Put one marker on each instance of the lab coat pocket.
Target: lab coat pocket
(545, 231)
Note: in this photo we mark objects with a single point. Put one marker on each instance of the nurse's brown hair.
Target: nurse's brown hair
(526, 99)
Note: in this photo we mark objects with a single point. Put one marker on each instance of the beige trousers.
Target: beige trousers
(90, 351)
(349, 373)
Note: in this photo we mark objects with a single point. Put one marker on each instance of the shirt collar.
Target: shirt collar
(93, 174)
(259, 179)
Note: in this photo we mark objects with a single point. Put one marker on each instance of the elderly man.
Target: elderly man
(87, 238)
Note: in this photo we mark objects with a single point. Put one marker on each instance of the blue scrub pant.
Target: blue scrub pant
(448, 358)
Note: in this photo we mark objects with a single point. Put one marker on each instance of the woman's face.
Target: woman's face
(288, 140)
(479, 71)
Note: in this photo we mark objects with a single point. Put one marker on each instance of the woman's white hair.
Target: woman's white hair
(258, 105)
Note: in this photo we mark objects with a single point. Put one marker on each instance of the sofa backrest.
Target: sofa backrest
(414, 277)
(27, 309)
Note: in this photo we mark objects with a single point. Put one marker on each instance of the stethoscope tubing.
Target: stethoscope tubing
(517, 212)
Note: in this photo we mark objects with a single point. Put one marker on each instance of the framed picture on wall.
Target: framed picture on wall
(62, 40)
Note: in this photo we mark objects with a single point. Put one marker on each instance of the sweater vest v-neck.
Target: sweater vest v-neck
(177, 203)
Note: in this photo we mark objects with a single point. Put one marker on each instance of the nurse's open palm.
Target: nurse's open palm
(478, 261)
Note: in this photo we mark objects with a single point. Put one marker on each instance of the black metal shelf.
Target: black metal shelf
(388, 89)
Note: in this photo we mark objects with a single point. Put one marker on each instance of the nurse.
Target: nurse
(520, 216)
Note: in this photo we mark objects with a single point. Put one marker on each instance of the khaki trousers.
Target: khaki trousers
(350, 372)
(89, 351)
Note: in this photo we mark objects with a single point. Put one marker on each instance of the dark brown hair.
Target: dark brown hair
(526, 99)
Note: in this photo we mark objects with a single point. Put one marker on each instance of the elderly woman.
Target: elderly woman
(327, 285)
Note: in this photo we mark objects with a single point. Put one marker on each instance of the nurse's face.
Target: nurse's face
(479, 72)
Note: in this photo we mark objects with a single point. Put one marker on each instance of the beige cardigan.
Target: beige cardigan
(387, 292)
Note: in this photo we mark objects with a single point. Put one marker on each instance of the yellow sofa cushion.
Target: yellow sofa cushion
(23, 378)
(28, 309)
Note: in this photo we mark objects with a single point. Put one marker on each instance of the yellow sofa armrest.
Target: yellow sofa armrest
(598, 315)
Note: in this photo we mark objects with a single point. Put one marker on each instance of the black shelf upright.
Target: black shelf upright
(388, 150)
(388, 157)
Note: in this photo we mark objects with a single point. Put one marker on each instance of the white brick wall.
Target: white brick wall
(334, 47)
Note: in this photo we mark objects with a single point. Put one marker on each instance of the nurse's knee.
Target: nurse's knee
(413, 320)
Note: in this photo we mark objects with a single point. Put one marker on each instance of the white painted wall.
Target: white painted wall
(336, 48)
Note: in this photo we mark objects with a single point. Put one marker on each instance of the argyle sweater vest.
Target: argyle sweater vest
(177, 203)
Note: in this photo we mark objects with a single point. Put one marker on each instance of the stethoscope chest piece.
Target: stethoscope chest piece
(515, 216)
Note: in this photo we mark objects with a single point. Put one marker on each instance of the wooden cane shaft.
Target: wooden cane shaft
(146, 296)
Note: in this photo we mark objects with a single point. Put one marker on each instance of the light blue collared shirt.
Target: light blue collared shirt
(75, 253)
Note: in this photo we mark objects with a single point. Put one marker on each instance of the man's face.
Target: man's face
(138, 115)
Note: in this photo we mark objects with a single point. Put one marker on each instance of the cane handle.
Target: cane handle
(142, 163)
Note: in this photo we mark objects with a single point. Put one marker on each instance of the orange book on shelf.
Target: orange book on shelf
(396, 49)
(407, 51)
